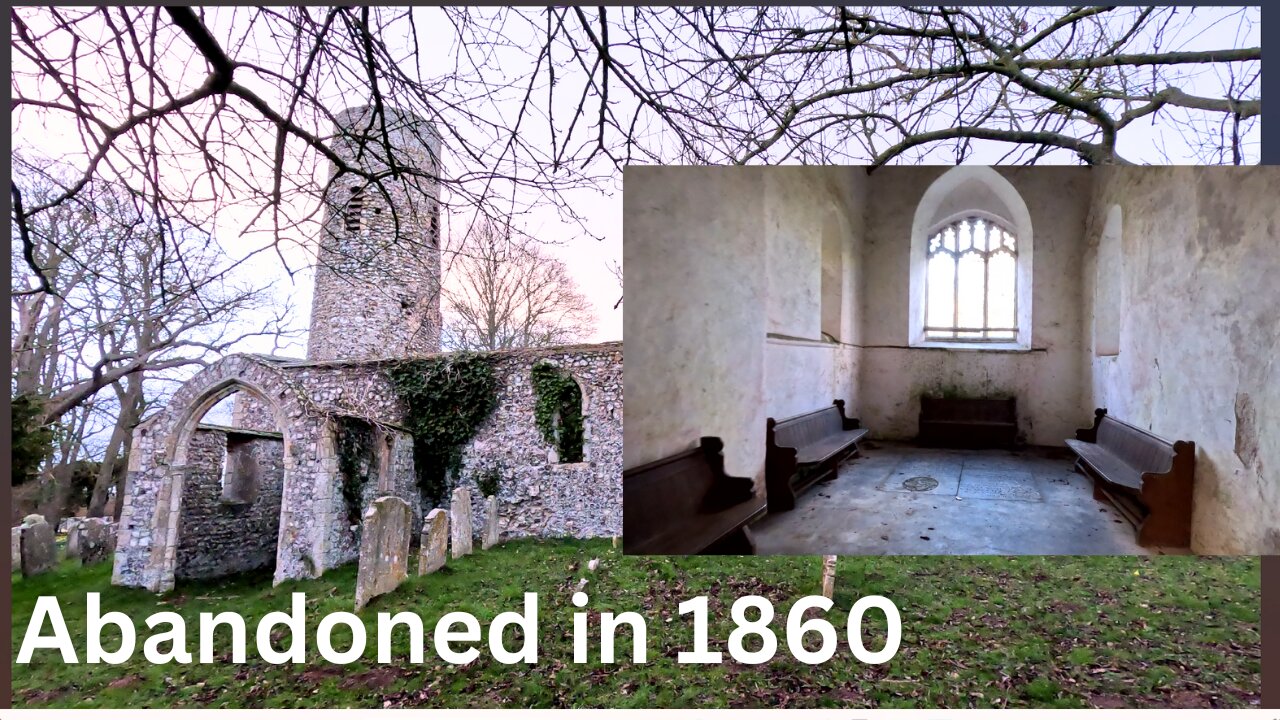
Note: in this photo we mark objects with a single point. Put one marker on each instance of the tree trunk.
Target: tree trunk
(105, 478)
(57, 493)
(117, 447)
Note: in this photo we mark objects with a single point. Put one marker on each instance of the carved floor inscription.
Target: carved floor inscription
(999, 485)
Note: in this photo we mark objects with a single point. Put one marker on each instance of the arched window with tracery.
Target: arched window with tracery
(971, 287)
(971, 264)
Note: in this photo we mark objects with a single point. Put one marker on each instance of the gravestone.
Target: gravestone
(490, 536)
(435, 542)
(97, 540)
(39, 553)
(460, 522)
(74, 526)
(384, 548)
(15, 548)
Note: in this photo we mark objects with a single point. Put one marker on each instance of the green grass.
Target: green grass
(977, 632)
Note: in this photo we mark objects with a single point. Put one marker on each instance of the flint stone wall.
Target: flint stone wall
(377, 284)
(217, 538)
(250, 413)
(396, 478)
(148, 532)
(539, 496)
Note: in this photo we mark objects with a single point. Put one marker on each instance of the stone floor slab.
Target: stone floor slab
(999, 485)
(859, 513)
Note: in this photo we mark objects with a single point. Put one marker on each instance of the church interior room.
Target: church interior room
(952, 360)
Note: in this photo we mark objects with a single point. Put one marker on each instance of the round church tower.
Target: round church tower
(377, 284)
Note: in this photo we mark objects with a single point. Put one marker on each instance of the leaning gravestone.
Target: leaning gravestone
(97, 540)
(15, 548)
(489, 537)
(460, 522)
(384, 548)
(435, 542)
(39, 554)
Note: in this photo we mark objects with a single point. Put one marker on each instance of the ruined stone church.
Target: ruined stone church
(204, 500)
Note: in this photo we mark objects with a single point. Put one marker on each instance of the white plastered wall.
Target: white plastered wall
(1046, 377)
(1199, 334)
(728, 265)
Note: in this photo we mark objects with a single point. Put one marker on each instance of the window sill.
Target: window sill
(980, 347)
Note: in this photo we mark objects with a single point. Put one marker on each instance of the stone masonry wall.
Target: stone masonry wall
(397, 478)
(538, 496)
(174, 522)
(215, 538)
(146, 551)
(377, 285)
(250, 413)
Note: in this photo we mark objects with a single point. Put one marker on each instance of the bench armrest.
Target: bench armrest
(1090, 434)
(847, 423)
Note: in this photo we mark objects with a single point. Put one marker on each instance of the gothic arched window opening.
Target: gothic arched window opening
(558, 412)
(971, 286)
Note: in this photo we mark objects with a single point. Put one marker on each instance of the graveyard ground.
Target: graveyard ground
(977, 631)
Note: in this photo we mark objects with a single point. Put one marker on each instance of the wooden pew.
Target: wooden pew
(686, 505)
(806, 449)
(968, 422)
(1148, 479)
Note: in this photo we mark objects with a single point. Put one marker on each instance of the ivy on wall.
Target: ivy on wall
(557, 410)
(445, 400)
(355, 439)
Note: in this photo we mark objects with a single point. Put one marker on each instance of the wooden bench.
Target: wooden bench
(1148, 479)
(686, 505)
(968, 422)
(805, 449)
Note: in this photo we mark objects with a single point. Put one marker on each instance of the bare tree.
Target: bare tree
(615, 269)
(199, 124)
(503, 293)
(873, 85)
(200, 110)
(121, 292)
(129, 404)
(121, 297)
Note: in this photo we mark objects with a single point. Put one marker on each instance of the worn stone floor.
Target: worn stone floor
(985, 502)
